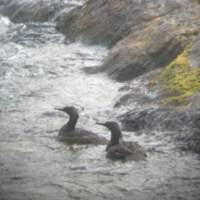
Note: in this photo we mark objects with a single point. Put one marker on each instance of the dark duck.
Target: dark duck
(72, 135)
(122, 150)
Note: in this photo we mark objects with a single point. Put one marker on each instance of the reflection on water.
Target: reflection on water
(38, 72)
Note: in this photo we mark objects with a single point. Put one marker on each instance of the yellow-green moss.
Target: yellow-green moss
(198, 1)
(179, 80)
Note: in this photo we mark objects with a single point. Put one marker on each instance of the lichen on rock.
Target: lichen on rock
(179, 80)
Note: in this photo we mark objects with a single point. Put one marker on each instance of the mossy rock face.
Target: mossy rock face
(179, 80)
(142, 35)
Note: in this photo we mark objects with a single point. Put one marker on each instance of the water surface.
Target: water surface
(38, 72)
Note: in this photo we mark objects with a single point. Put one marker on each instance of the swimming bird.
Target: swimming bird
(72, 135)
(122, 150)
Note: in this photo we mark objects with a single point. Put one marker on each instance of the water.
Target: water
(39, 72)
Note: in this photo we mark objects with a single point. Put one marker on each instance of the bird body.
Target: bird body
(80, 136)
(126, 151)
(72, 135)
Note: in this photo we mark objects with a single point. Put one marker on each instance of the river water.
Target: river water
(38, 72)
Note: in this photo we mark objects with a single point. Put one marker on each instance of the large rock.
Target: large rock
(140, 111)
(183, 127)
(154, 47)
(108, 21)
(160, 119)
(144, 35)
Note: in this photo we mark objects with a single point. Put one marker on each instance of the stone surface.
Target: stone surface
(28, 11)
(169, 121)
(153, 48)
(163, 118)
(143, 112)
(194, 104)
(143, 35)
(108, 21)
(195, 53)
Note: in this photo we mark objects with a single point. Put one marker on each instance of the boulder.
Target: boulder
(182, 127)
(160, 119)
(152, 48)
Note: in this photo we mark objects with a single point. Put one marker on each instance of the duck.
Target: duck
(117, 149)
(72, 135)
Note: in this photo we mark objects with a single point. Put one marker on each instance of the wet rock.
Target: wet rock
(65, 19)
(153, 48)
(144, 35)
(106, 22)
(193, 142)
(138, 92)
(135, 56)
(160, 119)
(194, 54)
(147, 113)
(26, 11)
(144, 113)
(194, 104)
(185, 124)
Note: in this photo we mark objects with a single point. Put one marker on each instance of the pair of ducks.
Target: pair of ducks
(116, 148)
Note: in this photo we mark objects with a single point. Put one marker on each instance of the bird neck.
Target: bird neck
(72, 121)
(115, 137)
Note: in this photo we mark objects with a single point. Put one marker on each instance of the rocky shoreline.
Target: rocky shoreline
(142, 37)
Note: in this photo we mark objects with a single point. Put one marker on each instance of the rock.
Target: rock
(194, 104)
(160, 118)
(194, 54)
(108, 21)
(138, 92)
(183, 127)
(143, 113)
(64, 21)
(143, 35)
(26, 11)
(153, 48)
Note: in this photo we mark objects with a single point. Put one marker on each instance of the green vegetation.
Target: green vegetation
(179, 80)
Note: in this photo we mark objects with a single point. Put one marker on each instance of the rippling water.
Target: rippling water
(39, 72)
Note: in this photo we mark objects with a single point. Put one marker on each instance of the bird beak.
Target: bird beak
(101, 124)
(60, 109)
